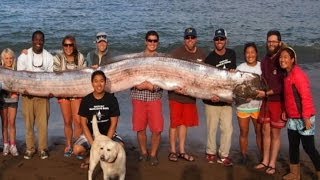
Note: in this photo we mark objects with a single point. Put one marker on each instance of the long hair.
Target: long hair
(291, 53)
(75, 52)
(10, 52)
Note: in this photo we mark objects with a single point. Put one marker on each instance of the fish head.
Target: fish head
(247, 90)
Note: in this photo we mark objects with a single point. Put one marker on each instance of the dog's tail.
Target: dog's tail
(95, 128)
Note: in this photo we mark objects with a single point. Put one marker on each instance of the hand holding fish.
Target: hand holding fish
(215, 98)
(261, 93)
(145, 86)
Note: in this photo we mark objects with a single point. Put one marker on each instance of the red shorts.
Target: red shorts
(147, 112)
(183, 114)
(270, 112)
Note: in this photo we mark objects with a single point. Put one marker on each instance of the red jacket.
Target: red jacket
(298, 78)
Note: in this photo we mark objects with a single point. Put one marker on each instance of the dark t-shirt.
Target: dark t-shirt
(103, 108)
(226, 61)
(182, 53)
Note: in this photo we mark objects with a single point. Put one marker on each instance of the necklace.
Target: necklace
(37, 66)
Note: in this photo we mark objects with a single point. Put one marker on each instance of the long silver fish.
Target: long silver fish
(196, 79)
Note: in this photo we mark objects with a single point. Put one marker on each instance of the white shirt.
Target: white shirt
(35, 62)
(253, 105)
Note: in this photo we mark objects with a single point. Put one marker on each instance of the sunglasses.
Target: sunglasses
(190, 37)
(219, 39)
(68, 45)
(152, 40)
(102, 36)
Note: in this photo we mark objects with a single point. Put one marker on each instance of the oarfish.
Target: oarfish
(195, 79)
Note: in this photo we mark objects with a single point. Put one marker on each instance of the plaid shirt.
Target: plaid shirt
(146, 95)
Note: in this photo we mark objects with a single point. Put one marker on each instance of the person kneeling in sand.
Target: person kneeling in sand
(105, 106)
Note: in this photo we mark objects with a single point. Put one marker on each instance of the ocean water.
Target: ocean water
(126, 23)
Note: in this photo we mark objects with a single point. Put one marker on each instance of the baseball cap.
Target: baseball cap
(190, 32)
(101, 36)
(220, 33)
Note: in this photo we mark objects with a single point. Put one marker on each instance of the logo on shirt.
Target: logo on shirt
(222, 64)
(274, 72)
(100, 116)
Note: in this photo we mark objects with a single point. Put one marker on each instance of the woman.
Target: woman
(106, 107)
(9, 105)
(69, 59)
(300, 113)
(249, 111)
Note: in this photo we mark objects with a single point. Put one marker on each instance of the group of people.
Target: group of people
(287, 100)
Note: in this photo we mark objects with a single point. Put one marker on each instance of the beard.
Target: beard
(270, 53)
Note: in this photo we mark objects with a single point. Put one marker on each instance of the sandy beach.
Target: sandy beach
(59, 167)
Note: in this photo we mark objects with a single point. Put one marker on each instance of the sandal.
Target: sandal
(186, 157)
(173, 157)
(261, 167)
(85, 164)
(271, 170)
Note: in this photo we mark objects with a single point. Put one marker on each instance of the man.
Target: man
(101, 55)
(147, 108)
(183, 109)
(217, 112)
(36, 110)
(272, 106)
(106, 107)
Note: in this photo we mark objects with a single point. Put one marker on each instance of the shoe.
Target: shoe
(211, 158)
(80, 157)
(43, 154)
(154, 161)
(226, 161)
(143, 157)
(28, 154)
(14, 150)
(67, 152)
(5, 149)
